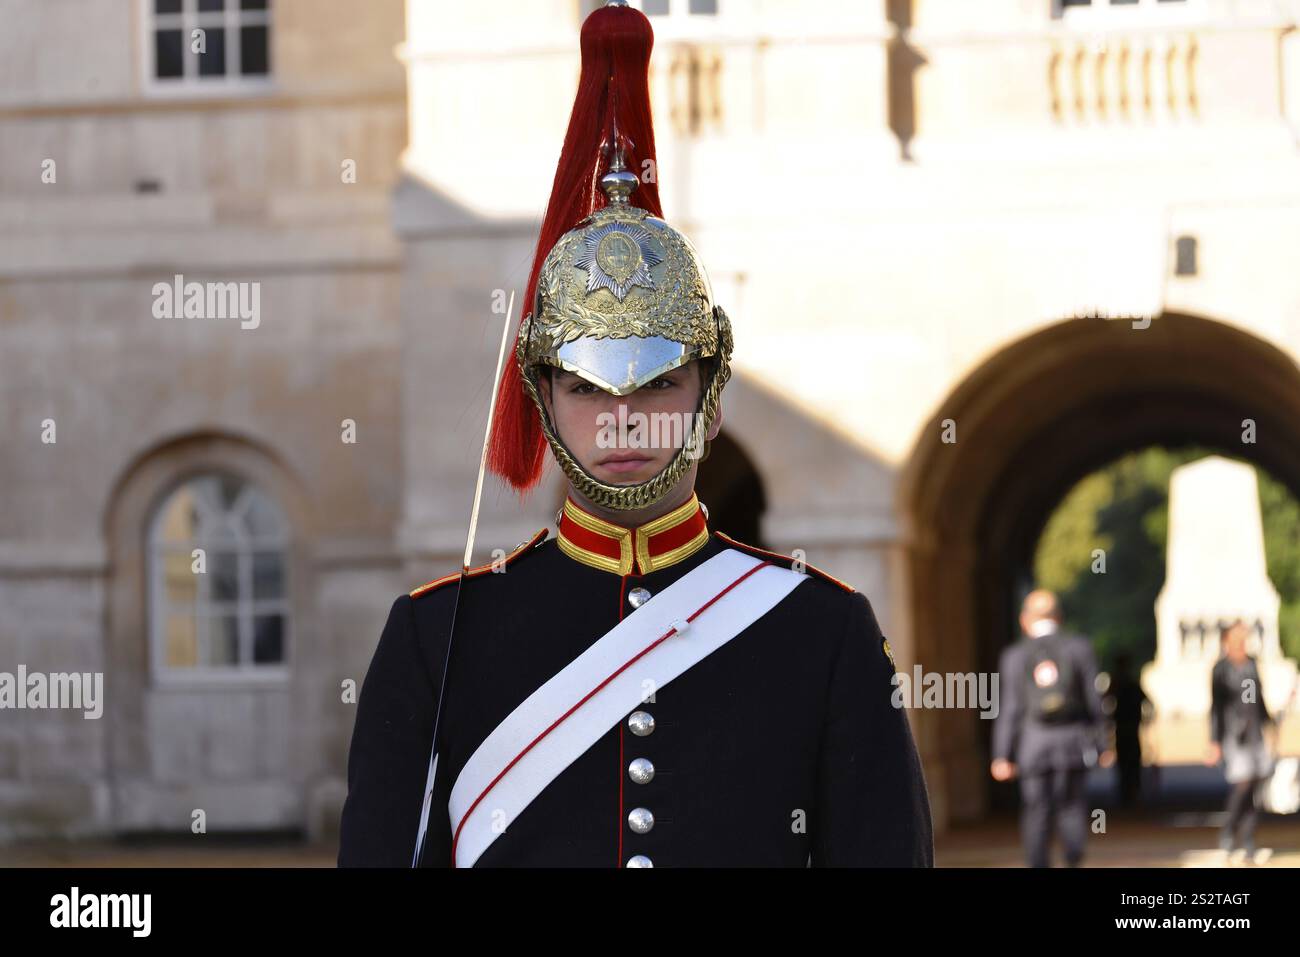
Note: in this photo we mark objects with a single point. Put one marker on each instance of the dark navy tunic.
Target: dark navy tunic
(781, 748)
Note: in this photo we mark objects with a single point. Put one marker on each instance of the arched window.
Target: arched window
(218, 581)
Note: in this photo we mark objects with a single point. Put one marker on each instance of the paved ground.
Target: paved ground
(1179, 840)
(1184, 840)
(198, 852)
(1175, 826)
(1176, 840)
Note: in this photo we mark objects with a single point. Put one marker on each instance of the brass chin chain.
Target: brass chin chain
(653, 489)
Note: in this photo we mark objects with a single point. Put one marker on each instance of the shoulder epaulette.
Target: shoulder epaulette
(484, 569)
(755, 550)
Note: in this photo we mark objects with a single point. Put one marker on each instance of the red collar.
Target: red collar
(657, 544)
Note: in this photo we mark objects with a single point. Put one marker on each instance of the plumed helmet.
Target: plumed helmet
(618, 296)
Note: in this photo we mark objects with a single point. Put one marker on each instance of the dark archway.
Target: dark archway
(730, 487)
(1030, 421)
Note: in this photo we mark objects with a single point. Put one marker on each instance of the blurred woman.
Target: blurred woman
(1237, 721)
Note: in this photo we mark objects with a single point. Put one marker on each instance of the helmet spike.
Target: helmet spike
(619, 183)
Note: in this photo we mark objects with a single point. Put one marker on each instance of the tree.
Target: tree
(1123, 509)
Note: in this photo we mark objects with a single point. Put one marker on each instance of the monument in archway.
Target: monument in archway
(1214, 573)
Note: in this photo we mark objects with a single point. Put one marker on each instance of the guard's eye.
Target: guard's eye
(583, 388)
(663, 382)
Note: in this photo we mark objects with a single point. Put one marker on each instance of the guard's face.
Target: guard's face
(624, 440)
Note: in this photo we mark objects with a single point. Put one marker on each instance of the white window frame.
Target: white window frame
(191, 83)
(1104, 15)
(679, 23)
(246, 673)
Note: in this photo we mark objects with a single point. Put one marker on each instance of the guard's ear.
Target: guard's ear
(716, 427)
(544, 385)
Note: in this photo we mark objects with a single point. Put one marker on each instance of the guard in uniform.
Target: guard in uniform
(643, 692)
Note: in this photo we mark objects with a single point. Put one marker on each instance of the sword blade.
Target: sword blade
(487, 434)
(432, 775)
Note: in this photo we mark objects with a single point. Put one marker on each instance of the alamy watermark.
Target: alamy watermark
(652, 430)
(35, 690)
(209, 300)
(952, 689)
(129, 911)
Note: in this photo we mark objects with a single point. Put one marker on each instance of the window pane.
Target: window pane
(166, 6)
(705, 7)
(654, 8)
(223, 576)
(227, 488)
(181, 642)
(213, 62)
(255, 56)
(167, 54)
(268, 639)
(219, 528)
(180, 522)
(252, 4)
(223, 534)
(268, 575)
(216, 492)
(179, 581)
(206, 5)
(223, 641)
(262, 518)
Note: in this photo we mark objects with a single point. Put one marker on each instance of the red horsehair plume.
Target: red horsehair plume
(613, 104)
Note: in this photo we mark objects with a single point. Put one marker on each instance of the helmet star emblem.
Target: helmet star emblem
(618, 257)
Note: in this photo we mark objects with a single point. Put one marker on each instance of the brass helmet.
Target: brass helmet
(621, 300)
(621, 297)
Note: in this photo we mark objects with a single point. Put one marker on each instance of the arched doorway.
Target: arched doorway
(730, 487)
(1029, 422)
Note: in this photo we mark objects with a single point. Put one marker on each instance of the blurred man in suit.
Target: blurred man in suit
(1050, 729)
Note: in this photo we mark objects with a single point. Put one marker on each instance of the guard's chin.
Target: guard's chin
(623, 480)
(622, 477)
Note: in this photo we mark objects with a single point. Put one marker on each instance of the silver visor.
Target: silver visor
(622, 365)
